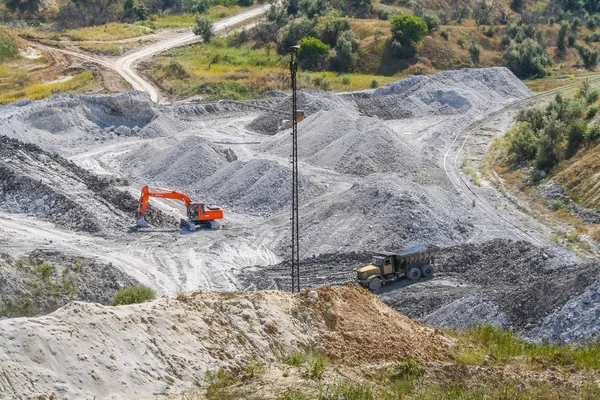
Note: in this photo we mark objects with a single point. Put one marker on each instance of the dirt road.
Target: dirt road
(125, 66)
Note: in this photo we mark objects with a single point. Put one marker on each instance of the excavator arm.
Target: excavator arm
(160, 193)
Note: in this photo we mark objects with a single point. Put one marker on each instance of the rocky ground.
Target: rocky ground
(374, 175)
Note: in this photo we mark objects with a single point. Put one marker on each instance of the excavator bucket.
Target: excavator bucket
(141, 222)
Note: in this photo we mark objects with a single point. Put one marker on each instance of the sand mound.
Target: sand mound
(361, 328)
(84, 350)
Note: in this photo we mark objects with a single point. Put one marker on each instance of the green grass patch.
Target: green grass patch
(107, 32)
(217, 71)
(133, 295)
(502, 346)
(474, 175)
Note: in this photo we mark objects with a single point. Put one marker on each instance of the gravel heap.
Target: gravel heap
(176, 166)
(512, 284)
(577, 321)
(309, 101)
(28, 291)
(341, 140)
(67, 195)
(75, 120)
(255, 187)
(445, 93)
(384, 211)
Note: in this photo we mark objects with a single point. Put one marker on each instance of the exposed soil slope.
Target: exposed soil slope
(166, 345)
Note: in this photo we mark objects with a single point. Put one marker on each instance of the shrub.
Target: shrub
(345, 52)
(504, 42)
(253, 368)
(562, 33)
(523, 143)
(316, 367)
(475, 52)
(432, 20)
(374, 83)
(588, 56)
(571, 40)
(358, 8)
(8, 49)
(345, 80)
(592, 111)
(593, 133)
(204, 28)
(577, 134)
(527, 59)
(195, 6)
(133, 295)
(312, 52)
(592, 96)
(489, 32)
(382, 14)
(461, 42)
(406, 370)
(445, 34)
(295, 359)
(245, 3)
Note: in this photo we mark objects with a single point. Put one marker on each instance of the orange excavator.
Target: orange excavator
(198, 215)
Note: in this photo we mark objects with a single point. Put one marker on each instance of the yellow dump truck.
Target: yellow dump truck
(412, 262)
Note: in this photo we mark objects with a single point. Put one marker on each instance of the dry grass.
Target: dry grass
(37, 91)
(581, 179)
(108, 32)
(108, 49)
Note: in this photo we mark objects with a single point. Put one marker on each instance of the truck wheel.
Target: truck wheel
(375, 284)
(414, 274)
(427, 271)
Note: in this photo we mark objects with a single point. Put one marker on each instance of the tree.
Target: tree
(408, 29)
(562, 33)
(312, 53)
(345, 52)
(358, 8)
(195, 6)
(204, 28)
(482, 11)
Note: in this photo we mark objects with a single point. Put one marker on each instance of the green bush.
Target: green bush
(592, 111)
(527, 59)
(505, 42)
(408, 29)
(345, 80)
(592, 96)
(432, 20)
(475, 52)
(8, 49)
(489, 32)
(593, 133)
(312, 53)
(204, 28)
(383, 14)
(133, 295)
(346, 50)
(588, 56)
(374, 84)
(461, 42)
(523, 143)
(577, 134)
(445, 34)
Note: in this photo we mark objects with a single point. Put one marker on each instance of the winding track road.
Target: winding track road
(125, 66)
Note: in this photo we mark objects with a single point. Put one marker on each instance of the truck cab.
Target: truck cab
(412, 263)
